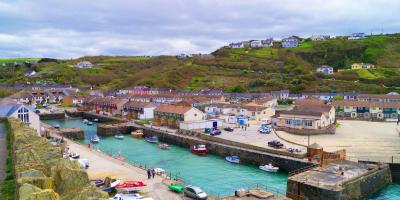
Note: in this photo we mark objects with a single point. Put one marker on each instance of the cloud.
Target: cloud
(65, 29)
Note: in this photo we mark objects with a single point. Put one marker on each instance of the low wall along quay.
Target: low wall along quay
(247, 153)
(40, 171)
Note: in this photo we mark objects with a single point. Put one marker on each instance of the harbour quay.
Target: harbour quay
(339, 180)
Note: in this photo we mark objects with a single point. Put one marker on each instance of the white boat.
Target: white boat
(95, 139)
(233, 159)
(133, 196)
(74, 156)
(119, 136)
(269, 168)
(57, 126)
(85, 121)
(90, 123)
(96, 120)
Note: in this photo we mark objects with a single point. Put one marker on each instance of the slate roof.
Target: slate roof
(173, 109)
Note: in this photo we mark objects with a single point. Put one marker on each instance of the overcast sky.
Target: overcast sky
(74, 28)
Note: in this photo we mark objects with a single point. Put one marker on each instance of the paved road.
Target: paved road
(3, 153)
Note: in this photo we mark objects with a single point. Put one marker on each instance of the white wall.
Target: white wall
(34, 119)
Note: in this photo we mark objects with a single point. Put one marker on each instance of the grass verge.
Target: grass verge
(8, 186)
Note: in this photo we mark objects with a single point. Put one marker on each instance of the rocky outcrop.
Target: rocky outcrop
(42, 173)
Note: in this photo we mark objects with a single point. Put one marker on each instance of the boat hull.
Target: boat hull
(199, 152)
(269, 169)
(235, 161)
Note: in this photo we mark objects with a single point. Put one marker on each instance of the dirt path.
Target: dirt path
(102, 165)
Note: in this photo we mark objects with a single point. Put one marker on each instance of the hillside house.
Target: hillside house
(325, 69)
(319, 37)
(236, 45)
(25, 113)
(290, 42)
(356, 36)
(256, 44)
(84, 65)
(362, 66)
(267, 43)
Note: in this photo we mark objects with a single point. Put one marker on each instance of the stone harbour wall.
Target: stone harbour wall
(44, 116)
(40, 171)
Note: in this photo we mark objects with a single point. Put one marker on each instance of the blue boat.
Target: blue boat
(109, 189)
(153, 139)
(233, 159)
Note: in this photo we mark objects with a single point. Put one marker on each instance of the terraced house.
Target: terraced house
(103, 105)
(367, 109)
(138, 110)
(172, 115)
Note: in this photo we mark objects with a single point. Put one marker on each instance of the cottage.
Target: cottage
(290, 42)
(319, 37)
(236, 45)
(256, 44)
(356, 36)
(25, 113)
(103, 105)
(362, 66)
(172, 115)
(84, 65)
(138, 110)
(267, 43)
(325, 69)
(30, 73)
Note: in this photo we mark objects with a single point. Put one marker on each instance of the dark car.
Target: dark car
(37, 111)
(275, 144)
(215, 132)
(229, 129)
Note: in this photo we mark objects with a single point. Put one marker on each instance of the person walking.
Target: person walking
(148, 173)
(153, 173)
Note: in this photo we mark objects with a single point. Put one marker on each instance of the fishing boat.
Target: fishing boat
(85, 121)
(137, 134)
(97, 182)
(90, 123)
(233, 159)
(129, 186)
(57, 126)
(119, 136)
(131, 196)
(269, 168)
(96, 120)
(153, 139)
(199, 149)
(163, 146)
(95, 139)
(74, 156)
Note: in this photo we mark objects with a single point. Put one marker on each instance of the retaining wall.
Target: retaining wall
(44, 116)
(395, 170)
(91, 116)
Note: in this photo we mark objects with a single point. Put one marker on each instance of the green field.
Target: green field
(18, 60)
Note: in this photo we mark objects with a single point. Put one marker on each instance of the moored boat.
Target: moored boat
(74, 156)
(96, 120)
(57, 126)
(199, 149)
(119, 136)
(85, 121)
(129, 186)
(153, 139)
(95, 139)
(233, 159)
(163, 146)
(90, 123)
(129, 196)
(137, 134)
(269, 168)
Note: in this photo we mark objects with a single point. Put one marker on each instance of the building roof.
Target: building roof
(7, 108)
(139, 104)
(381, 96)
(173, 109)
(315, 146)
(309, 101)
(367, 104)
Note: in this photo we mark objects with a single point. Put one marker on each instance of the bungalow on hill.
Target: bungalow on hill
(23, 112)
(256, 44)
(290, 42)
(319, 37)
(138, 110)
(268, 42)
(362, 66)
(172, 115)
(374, 110)
(84, 65)
(357, 36)
(325, 69)
(236, 45)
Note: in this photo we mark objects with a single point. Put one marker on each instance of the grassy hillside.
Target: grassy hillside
(17, 60)
(238, 70)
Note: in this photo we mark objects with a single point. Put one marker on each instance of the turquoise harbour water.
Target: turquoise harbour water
(212, 173)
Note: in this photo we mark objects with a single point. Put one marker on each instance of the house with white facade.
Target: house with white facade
(236, 45)
(23, 112)
(325, 69)
(268, 42)
(356, 36)
(290, 42)
(256, 44)
(84, 65)
(138, 110)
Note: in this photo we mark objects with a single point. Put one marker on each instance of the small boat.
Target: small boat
(57, 126)
(199, 149)
(269, 168)
(96, 120)
(129, 186)
(137, 134)
(85, 121)
(90, 123)
(163, 146)
(95, 139)
(233, 159)
(97, 182)
(153, 139)
(119, 136)
(131, 196)
(110, 187)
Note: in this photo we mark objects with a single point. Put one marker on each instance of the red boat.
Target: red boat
(199, 149)
(129, 186)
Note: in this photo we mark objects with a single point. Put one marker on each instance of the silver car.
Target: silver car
(195, 192)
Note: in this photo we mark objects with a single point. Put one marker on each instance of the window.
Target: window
(195, 114)
(287, 121)
(23, 114)
(307, 123)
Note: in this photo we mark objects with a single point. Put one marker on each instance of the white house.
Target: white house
(267, 43)
(325, 69)
(84, 65)
(138, 110)
(236, 45)
(256, 44)
(356, 36)
(25, 113)
(30, 73)
(290, 42)
(319, 37)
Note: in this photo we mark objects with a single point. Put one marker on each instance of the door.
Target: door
(215, 124)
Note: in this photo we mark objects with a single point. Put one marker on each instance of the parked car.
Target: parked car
(275, 144)
(265, 129)
(215, 132)
(195, 192)
(37, 111)
(229, 129)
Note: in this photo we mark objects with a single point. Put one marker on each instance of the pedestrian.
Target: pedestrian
(153, 173)
(148, 173)
(245, 128)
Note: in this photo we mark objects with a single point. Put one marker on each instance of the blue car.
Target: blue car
(265, 129)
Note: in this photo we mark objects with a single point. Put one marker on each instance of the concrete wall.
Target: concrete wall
(395, 170)
(92, 116)
(44, 116)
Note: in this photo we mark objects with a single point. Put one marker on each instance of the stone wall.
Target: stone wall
(395, 170)
(42, 173)
(330, 130)
(72, 133)
(91, 116)
(44, 116)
